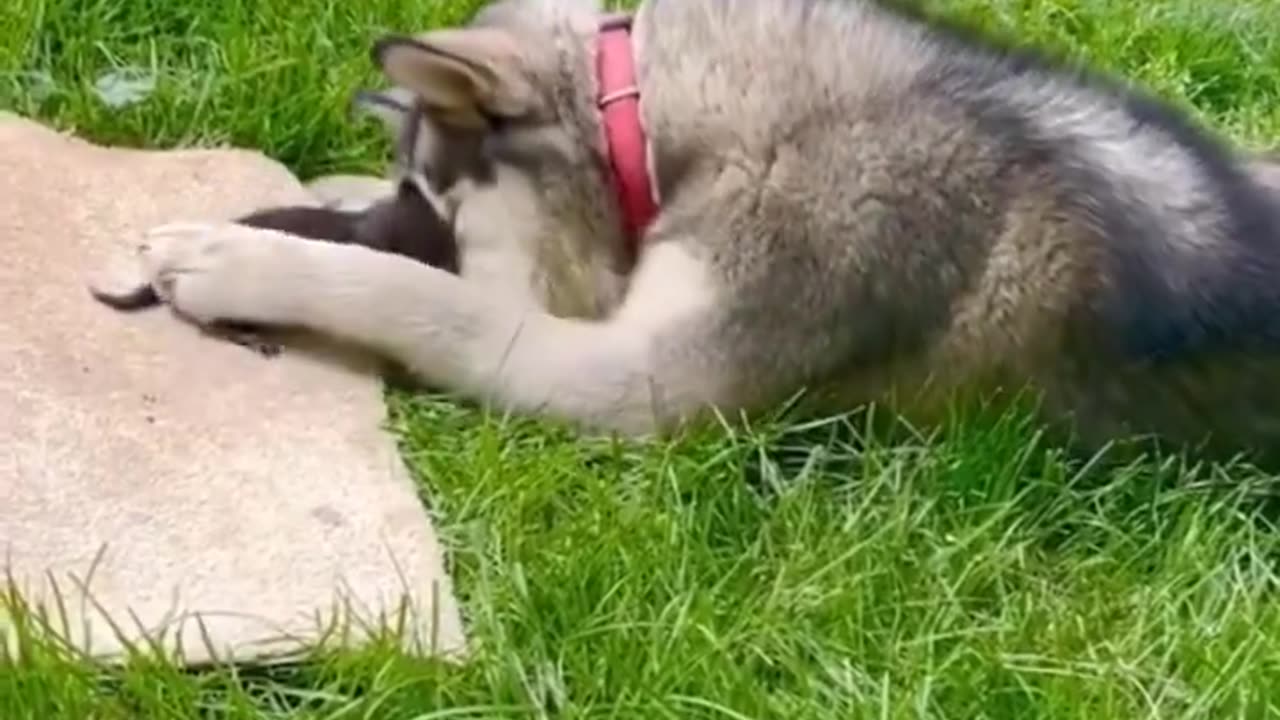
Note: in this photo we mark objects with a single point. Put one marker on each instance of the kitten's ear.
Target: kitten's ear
(391, 106)
(462, 76)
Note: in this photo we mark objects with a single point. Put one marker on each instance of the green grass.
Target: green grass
(780, 571)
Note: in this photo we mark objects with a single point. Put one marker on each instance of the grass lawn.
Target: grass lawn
(776, 571)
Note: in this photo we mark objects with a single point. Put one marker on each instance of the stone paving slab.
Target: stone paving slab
(169, 485)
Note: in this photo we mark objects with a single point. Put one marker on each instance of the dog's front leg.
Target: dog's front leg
(626, 374)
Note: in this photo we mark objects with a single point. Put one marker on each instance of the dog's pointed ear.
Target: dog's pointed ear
(463, 76)
(391, 106)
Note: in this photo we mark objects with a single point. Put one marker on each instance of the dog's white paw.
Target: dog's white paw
(220, 272)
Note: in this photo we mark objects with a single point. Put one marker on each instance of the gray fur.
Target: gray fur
(855, 203)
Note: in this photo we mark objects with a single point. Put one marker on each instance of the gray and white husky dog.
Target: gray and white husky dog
(849, 202)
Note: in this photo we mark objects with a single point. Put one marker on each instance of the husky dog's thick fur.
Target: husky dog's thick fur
(853, 204)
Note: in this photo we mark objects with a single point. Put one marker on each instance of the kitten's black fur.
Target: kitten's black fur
(404, 224)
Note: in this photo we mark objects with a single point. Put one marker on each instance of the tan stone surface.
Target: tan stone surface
(349, 192)
(158, 475)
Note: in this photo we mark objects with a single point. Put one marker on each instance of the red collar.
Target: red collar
(624, 137)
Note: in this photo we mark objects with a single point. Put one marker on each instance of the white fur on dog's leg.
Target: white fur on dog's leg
(211, 272)
(615, 375)
(158, 245)
(618, 374)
